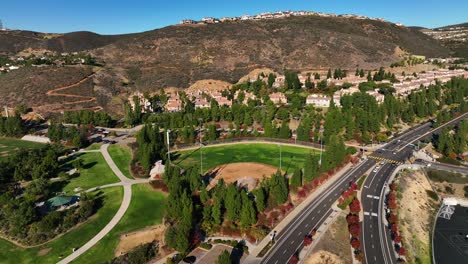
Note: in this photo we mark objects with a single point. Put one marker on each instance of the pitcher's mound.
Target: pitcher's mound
(245, 173)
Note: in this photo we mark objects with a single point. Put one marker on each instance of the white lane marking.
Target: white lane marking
(284, 252)
(372, 245)
(366, 213)
(376, 197)
(369, 196)
(374, 214)
(300, 233)
(292, 242)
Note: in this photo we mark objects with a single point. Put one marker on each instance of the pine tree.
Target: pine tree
(296, 179)
(260, 199)
(216, 213)
(232, 202)
(248, 215)
(310, 168)
(284, 131)
(278, 189)
(329, 74)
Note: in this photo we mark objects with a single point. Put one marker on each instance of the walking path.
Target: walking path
(127, 197)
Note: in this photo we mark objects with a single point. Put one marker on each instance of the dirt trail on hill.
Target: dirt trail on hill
(85, 99)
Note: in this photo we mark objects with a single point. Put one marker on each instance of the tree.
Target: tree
(271, 79)
(355, 206)
(311, 167)
(294, 259)
(278, 189)
(307, 241)
(260, 199)
(77, 163)
(224, 258)
(216, 213)
(402, 251)
(232, 202)
(308, 83)
(248, 215)
(354, 229)
(329, 74)
(296, 179)
(355, 243)
(284, 131)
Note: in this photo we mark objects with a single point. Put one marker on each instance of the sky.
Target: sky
(120, 16)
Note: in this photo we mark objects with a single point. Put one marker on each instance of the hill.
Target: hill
(454, 37)
(14, 41)
(180, 55)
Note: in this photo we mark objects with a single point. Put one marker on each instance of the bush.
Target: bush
(140, 255)
(205, 245)
(449, 161)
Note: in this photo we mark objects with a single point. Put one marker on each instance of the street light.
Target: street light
(201, 147)
(168, 145)
(321, 146)
(280, 158)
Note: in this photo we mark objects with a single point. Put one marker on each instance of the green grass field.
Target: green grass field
(122, 157)
(11, 145)
(146, 209)
(292, 157)
(94, 146)
(96, 172)
(50, 252)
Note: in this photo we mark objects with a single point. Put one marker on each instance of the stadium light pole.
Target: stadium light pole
(201, 147)
(280, 158)
(321, 146)
(168, 145)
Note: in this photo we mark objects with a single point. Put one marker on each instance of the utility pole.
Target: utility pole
(168, 145)
(321, 146)
(201, 147)
(280, 158)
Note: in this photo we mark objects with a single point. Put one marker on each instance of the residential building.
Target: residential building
(278, 98)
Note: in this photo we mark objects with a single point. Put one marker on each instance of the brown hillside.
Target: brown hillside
(181, 55)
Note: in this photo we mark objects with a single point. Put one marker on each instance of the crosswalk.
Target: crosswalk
(387, 160)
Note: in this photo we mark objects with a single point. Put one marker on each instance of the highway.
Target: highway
(375, 236)
(289, 240)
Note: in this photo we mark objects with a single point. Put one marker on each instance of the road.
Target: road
(289, 240)
(377, 244)
(127, 197)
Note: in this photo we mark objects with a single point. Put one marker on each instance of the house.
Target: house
(278, 98)
(188, 22)
(223, 101)
(247, 96)
(173, 105)
(201, 103)
(318, 100)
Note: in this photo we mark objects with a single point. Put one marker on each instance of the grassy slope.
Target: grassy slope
(122, 157)
(10, 145)
(9, 253)
(96, 172)
(292, 157)
(146, 209)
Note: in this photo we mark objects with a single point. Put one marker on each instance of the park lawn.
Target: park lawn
(292, 157)
(95, 172)
(122, 157)
(146, 209)
(11, 145)
(50, 252)
(94, 146)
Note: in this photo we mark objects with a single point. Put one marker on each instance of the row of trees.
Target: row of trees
(452, 144)
(87, 117)
(77, 136)
(11, 126)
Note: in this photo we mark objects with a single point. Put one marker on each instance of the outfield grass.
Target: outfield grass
(292, 157)
(50, 252)
(95, 172)
(146, 209)
(11, 145)
(122, 157)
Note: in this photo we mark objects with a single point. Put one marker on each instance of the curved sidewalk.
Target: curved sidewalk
(127, 197)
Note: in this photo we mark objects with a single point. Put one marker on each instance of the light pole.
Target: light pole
(201, 147)
(168, 145)
(280, 159)
(321, 147)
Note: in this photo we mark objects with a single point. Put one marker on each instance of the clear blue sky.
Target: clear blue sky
(119, 16)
